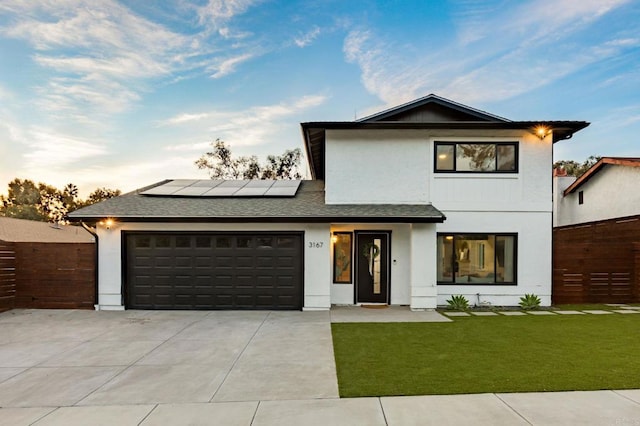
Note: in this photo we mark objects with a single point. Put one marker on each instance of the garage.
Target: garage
(213, 270)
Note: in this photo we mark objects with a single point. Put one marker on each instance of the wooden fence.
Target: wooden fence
(597, 262)
(55, 275)
(7, 275)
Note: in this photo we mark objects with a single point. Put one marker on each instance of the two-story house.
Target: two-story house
(405, 207)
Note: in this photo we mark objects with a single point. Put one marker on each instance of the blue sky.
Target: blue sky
(125, 93)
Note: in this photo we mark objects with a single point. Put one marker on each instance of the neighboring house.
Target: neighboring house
(46, 266)
(597, 234)
(405, 207)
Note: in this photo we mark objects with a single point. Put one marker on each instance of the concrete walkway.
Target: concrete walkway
(232, 368)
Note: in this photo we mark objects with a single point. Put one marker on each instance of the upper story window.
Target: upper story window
(476, 157)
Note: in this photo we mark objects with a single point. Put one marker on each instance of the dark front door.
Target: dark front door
(372, 276)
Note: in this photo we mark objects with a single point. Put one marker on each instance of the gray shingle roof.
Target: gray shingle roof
(31, 231)
(307, 206)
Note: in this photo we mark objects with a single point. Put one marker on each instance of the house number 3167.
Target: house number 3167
(315, 244)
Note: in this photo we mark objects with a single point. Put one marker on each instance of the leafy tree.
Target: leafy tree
(26, 200)
(573, 168)
(222, 165)
(22, 201)
(100, 194)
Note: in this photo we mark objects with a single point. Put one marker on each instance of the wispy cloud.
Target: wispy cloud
(227, 66)
(500, 52)
(218, 12)
(307, 38)
(243, 128)
(104, 56)
(50, 149)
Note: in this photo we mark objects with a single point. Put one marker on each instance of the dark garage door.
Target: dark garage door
(213, 271)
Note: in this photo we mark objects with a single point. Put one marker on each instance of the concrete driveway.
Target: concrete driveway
(86, 358)
(233, 368)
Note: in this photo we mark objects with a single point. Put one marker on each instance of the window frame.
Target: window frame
(495, 235)
(334, 260)
(455, 144)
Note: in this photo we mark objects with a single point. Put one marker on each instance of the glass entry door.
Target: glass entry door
(372, 274)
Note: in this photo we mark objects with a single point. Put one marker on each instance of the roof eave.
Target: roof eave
(268, 219)
(621, 161)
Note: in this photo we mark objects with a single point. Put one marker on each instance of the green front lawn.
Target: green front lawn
(488, 354)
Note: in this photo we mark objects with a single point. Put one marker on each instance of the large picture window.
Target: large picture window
(477, 258)
(476, 157)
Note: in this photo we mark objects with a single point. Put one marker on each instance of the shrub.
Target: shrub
(458, 303)
(530, 302)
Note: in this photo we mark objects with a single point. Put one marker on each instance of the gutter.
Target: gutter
(95, 235)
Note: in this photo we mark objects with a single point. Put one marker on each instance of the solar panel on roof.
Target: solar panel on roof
(288, 190)
(208, 183)
(259, 183)
(234, 183)
(279, 183)
(182, 182)
(220, 191)
(226, 188)
(250, 192)
(191, 191)
(161, 190)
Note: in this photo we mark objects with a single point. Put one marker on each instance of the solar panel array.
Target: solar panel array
(226, 188)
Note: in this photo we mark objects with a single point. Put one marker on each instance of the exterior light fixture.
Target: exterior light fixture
(541, 131)
(334, 238)
(108, 223)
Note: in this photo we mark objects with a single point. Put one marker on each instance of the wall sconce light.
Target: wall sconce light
(334, 238)
(541, 131)
(107, 223)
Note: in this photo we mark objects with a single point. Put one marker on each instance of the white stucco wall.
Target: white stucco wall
(560, 183)
(611, 193)
(379, 167)
(316, 275)
(397, 167)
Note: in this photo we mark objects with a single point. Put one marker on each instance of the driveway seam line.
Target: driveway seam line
(512, 409)
(255, 413)
(235, 361)
(148, 414)
(625, 397)
(384, 415)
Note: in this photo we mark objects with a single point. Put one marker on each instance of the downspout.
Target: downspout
(95, 292)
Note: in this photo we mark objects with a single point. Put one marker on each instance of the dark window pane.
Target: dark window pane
(163, 241)
(203, 242)
(286, 242)
(183, 242)
(475, 157)
(265, 242)
(243, 242)
(223, 242)
(506, 158)
(444, 157)
(143, 242)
